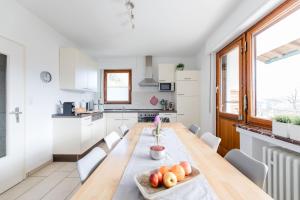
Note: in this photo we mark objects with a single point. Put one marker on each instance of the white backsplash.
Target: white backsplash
(141, 100)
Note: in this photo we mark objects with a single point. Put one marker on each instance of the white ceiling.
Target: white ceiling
(163, 27)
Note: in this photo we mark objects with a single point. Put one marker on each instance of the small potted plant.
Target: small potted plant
(180, 67)
(157, 151)
(280, 125)
(294, 129)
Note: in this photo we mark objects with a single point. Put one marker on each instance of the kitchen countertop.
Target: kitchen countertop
(138, 111)
(115, 111)
(74, 116)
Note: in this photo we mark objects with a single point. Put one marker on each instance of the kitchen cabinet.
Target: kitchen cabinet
(86, 134)
(187, 75)
(77, 71)
(98, 130)
(74, 136)
(188, 97)
(188, 110)
(187, 88)
(166, 73)
(115, 120)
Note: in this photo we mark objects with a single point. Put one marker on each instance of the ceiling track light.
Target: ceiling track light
(130, 6)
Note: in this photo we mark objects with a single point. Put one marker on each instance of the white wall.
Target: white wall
(42, 53)
(243, 17)
(142, 95)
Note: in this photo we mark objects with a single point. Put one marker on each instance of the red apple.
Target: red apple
(154, 180)
(160, 176)
(187, 167)
(169, 179)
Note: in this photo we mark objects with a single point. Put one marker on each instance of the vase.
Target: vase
(157, 152)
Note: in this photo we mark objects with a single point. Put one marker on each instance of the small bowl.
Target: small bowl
(157, 152)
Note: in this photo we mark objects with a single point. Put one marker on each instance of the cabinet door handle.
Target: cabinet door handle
(180, 94)
(180, 114)
(187, 78)
(162, 80)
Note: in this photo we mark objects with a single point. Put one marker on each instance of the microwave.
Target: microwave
(166, 87)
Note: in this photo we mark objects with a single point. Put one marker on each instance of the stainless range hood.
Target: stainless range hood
(148, 80)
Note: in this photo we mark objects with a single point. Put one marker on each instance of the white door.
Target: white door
(12, 140)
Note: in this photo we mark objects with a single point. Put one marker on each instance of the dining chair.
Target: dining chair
(194, 129)
(111, 139)
(89, 162)
(124, 129)
(255, 170)
(211, 140)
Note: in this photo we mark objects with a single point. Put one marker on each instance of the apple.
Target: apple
(154, 180)
(160, 176)
(178, 171)
(164, 169)
(169, 179)
(187, 167)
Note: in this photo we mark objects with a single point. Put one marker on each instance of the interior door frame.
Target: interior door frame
(23, 64)
(241, 117)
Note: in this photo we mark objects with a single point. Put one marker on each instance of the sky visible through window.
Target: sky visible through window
(278, 82)
(117, 86)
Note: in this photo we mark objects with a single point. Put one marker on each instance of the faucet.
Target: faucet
(123, 108)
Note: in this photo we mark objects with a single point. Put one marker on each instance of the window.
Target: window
(273, 60)
(117, 86)
(229, 101)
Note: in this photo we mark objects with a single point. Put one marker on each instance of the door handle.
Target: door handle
(17, 113)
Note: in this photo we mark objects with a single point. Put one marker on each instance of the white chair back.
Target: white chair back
(89, 162)
(124, 129)
(194, 129)
(111, 139)
(255, 170)
(211, 140)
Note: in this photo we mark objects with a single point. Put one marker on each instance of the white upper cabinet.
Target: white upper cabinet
(77, 71)
(166, 73)
(187, 75)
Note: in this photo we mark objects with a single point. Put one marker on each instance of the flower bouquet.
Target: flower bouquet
(157, 151)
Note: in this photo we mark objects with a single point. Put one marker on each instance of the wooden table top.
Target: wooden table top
(227, 182)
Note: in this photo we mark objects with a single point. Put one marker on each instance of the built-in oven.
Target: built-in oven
(166, 87)
(147, 117)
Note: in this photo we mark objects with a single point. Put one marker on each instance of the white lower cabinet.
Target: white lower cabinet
(115, 120)
(98, 130)
(73, 136)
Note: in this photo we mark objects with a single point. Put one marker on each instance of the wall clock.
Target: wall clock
(45, 76)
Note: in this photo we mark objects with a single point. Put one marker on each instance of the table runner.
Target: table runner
(140, 161)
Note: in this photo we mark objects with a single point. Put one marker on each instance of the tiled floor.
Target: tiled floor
(57, 181)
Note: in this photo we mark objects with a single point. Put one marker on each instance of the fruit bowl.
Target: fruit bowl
(157, 152)
(149, 192)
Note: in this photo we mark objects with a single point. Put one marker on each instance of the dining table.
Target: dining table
(224, 179)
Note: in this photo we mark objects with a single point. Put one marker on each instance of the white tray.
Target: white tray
(142, 182)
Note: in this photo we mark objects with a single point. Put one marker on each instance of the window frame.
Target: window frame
(272, 18)
(108, 71)
(238, 42)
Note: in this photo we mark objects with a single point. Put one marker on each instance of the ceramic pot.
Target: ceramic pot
(157, 152)
(294, 132)
(280, 129)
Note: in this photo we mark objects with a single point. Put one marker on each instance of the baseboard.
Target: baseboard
(38, 168)
(73, 157)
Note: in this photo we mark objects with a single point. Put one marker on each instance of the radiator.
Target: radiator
(283, 179)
